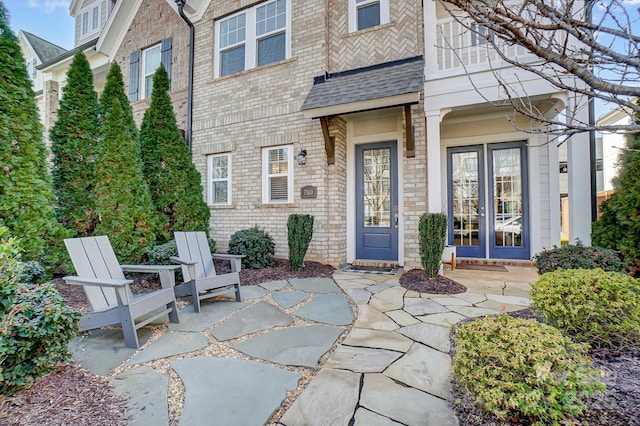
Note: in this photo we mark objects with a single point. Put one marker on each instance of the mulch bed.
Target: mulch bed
(73, 396)
(417, 280)
(619, 405)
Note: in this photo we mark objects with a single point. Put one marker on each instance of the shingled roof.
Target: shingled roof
(45, 50)
(384, 80)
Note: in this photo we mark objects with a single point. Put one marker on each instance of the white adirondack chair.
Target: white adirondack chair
(200, 279)
(107, 289)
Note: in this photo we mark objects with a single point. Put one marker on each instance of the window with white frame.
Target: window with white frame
(219, 179)
(479, 34)
(254, 37)
(90, 21)
(277, 172)
(151, 58)
(365, 14)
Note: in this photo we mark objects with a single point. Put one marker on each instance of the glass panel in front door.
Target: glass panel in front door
(465, 198)
(377, 187)
(508, 197)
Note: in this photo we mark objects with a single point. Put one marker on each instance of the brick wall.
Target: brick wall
(242, 113)
(155, 21)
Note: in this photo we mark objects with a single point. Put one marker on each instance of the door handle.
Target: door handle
(395, 216)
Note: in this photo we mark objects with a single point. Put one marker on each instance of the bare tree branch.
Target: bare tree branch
(588, 48)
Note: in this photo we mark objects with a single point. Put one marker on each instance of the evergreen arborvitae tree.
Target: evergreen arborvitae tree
(114, 89)
(173, 180)
(619, 225)
(123, 204)
(73, 143)
(26, 195)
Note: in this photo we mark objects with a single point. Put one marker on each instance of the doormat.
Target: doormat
(474, 267)
(370, 270)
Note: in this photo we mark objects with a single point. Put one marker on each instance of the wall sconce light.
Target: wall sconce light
(302, 157)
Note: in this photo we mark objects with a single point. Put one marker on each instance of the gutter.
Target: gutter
(192, 37)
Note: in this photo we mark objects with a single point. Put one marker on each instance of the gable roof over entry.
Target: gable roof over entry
(379, 86)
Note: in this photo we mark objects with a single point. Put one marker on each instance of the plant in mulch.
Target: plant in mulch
(579, 256)
(26, 193)
(174, 182)
(432, 230)
(299, 232)
(35, 326)
(592, 306)
(123, 204)
(74, 139)
(522, 371)
(256, 245)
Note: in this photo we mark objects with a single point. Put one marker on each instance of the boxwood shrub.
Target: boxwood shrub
(256, 244)
(593, 306)
(522, 370)
(579, 256)
(159, 254)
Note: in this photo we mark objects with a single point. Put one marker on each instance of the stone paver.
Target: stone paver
(369, 317)
(365, 417)
(377, 339)
(231, 391)
(171, 344)
(436, 336)
(330, 399)
(402, 318)
(297, 346)
(358, 295)
(361, 360)
(210, 314)
(332, 309)
(377, 288)
(251, 292)
(403, 404)
(258, 317)
(423, 368)
(315, 285)
(448, 318)
(102, 350)
(274, 285)
(510, 300)
(145, 392)
(288, 299)
(389, 299)
(473, 312)
(424, 307)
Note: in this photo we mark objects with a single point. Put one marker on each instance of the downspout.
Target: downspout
(192, 38)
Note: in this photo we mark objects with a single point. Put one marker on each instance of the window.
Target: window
(479, 34)
(96, 18)
(365, 14)
(277, 174)
(150, 63)
(219, 179)
(91, 21)
(255, 37)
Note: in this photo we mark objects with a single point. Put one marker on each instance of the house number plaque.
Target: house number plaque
(309, 192)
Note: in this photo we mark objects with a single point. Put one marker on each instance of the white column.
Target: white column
(430, 37)
(554, 194)
(434, 166)
(579, 164)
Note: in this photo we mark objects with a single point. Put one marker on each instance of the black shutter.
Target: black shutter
(166, 57)
(134, 75)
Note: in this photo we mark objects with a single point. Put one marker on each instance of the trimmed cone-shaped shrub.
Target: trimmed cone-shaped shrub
(619, 226)
(299, 233)
(522, 371)
(114, 89)
(73, 144)
(26, 194)
(123, 203)
(592, 306)
(174, 182)
(433, 231)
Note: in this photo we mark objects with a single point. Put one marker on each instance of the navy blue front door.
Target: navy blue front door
(377, 201)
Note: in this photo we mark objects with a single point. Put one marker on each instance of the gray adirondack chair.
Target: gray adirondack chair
(107, 289)
(200, 279)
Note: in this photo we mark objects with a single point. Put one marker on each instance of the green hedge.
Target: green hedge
(522, 370)
(579, 256)
(593, 306)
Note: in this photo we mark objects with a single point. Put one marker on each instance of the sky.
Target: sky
(48, 19)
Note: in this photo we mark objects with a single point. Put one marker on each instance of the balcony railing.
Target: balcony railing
(461, 48)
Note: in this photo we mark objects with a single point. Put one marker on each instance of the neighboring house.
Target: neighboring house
(499, 186)
(37, 51)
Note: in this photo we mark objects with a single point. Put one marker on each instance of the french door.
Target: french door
(488, 200)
